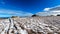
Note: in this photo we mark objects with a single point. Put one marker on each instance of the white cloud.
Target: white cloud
(14, 12)
(46, 9)
(2, 2)
(50, 11)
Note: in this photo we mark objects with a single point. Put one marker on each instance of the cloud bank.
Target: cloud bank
(5, 12)
(50, 11)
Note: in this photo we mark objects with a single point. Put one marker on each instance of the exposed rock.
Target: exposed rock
(58, 15)
(14, 17)
(34, 15)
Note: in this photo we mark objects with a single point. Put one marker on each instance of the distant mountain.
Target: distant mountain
(4, 17)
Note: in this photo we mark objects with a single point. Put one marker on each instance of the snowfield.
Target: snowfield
(31, 25)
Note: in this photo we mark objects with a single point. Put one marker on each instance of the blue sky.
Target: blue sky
(25, 7)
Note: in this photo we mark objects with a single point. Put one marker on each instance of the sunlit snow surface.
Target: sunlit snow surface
(30, 25)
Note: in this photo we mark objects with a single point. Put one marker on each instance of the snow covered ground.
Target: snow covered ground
(31, 25)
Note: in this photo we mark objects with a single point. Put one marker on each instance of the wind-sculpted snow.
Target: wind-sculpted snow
(30, 25)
